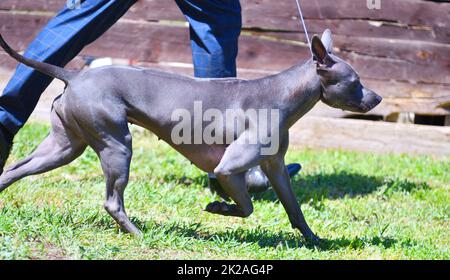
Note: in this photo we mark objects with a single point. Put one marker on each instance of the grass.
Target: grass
(364, 206)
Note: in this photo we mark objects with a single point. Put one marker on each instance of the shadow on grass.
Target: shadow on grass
(311, 189)
(267, 239)
(315, 188)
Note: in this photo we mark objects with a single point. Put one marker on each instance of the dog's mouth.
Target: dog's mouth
(364, 106)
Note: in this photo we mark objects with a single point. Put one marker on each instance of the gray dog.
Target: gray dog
(98, 104)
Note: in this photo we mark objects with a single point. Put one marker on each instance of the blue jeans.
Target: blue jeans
(215, 26)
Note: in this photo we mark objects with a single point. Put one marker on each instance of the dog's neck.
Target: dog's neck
(302, 90)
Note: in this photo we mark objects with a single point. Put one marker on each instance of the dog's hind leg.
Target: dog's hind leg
(115, 153)
(59, 148)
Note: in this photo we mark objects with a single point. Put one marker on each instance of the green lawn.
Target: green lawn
(364, 206)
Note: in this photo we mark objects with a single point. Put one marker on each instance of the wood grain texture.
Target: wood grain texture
(401, 51)
(370, 136)
(282, 14)
(159, 42)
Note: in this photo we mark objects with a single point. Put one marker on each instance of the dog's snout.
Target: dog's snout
(377, 99)
(370, 100)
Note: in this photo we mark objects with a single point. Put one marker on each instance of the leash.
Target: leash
(304, 25)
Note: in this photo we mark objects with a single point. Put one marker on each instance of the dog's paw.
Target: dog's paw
(313, 239)
(217, 207)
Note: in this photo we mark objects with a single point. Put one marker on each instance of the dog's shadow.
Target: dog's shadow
(267, 239)
(312, 189)
(315, 188)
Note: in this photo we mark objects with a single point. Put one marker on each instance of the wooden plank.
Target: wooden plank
(20, 29)
(355, 21)
(282, 11)
(275, 55)
(32, 5)
(283, 14)
(370, 136)
(365, 28)
(409, 97)
(419, 52)
(255, 52)
(400, 19)
(6, 61)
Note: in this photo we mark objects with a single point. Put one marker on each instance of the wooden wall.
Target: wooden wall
(401, 51)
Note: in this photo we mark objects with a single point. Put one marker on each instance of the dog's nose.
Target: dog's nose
(371, 100)
(377, 100)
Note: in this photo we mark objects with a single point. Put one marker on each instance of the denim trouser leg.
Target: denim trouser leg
(215, 26)
(59, 42)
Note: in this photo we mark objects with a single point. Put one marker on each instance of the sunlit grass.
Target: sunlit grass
(364, 206)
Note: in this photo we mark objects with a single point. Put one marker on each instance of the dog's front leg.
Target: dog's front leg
(230, 172)
(276, 171)
(234, 186)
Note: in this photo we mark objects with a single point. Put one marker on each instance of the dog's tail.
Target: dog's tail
(48, 69)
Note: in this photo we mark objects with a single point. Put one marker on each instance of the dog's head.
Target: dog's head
(341, 85)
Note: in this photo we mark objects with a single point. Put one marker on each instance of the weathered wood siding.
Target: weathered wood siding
(401, 51)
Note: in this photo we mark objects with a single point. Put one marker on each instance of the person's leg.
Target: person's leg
(215, 27)
(58, 43)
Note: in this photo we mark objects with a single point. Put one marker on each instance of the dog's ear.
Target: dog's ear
(320, 52)
(327, 40)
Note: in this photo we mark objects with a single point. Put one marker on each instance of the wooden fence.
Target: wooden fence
(402, 51)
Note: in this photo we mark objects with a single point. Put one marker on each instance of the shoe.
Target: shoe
(293, 169)
(5, 147)
(258, 182)
(255, 180)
